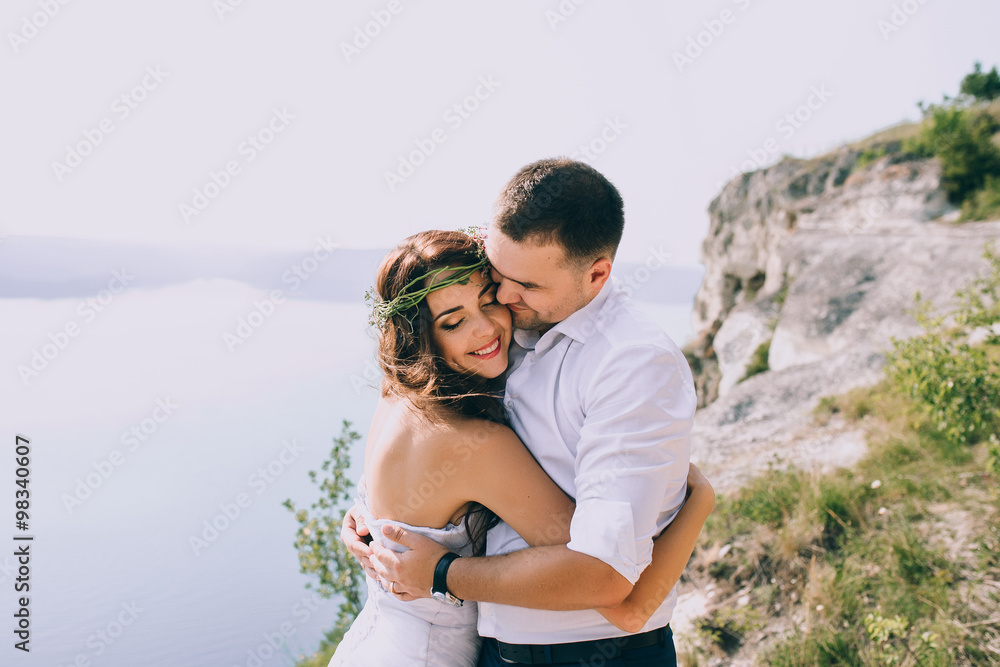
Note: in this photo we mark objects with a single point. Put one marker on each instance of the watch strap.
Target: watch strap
(440, 585)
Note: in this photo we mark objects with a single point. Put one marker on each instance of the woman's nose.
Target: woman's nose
(483, 325)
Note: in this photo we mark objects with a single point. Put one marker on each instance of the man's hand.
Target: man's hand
(355, 535)
(408, 575)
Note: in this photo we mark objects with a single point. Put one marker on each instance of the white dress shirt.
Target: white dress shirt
(604, 401)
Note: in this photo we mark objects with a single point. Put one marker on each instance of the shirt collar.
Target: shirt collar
(579, 326)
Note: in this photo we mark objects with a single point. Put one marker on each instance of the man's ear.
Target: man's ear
(598, 274)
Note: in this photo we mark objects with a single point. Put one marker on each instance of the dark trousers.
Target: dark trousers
(657, 655)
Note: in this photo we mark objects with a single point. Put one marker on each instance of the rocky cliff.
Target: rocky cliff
(813, 265)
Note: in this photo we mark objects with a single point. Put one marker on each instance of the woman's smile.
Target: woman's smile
(489, 350)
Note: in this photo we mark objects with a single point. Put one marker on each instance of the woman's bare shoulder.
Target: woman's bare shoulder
(478, 437)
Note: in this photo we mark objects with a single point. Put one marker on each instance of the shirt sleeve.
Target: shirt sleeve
(632, 457)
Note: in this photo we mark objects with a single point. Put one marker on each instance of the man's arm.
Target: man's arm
(548, 577)
(671, 552)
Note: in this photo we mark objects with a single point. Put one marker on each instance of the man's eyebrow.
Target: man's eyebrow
(522, 284)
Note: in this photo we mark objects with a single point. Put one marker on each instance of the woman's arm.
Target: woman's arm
(671, 552)
(502, 475)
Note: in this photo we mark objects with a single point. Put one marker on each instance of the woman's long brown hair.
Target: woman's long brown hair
(410, 363)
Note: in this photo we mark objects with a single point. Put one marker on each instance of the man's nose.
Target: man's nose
(506, 294)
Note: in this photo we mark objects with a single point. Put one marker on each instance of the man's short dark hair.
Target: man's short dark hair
(563, 201)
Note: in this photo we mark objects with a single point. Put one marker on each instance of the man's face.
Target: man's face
(536, 282)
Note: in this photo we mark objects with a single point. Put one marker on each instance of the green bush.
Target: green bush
(983, 204)
(955, 384)
(981, 86)
(759, 361)
(962, 138)
(321, 553)
(870, 155)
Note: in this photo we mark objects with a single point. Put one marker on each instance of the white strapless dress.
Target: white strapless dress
(392, 633)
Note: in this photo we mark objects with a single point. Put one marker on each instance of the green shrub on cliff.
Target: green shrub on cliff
(983, 204)
(321, 553)
(894, 561)
(962, 139)
(981, 86)
(759, 361)
(954, 382)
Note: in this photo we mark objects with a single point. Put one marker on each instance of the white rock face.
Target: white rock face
(746, 328)
(757, 213)
(824, 263)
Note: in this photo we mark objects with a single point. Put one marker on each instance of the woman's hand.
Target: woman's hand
(356, 537)
(408, 575)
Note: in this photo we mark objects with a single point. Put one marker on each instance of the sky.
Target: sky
(270, 124)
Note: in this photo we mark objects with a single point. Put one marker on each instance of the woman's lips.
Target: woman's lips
(494, 346)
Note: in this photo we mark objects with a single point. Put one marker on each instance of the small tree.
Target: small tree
(321, 553)
(955, 383)
(981, 87)
(963, 140)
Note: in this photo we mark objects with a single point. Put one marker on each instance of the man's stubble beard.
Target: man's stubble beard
(530, 321)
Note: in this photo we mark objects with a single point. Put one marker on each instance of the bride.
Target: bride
(441, 461)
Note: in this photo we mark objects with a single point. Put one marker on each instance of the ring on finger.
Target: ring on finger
(392, 587)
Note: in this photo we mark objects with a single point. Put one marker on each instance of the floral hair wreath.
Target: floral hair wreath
(415, 291)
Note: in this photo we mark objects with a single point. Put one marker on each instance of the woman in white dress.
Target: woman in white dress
(441, 462)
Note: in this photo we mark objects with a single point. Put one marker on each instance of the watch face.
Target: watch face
(447, 598)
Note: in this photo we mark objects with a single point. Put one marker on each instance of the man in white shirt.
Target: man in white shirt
(604, 400)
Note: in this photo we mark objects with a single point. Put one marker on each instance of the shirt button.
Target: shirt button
(509, 403)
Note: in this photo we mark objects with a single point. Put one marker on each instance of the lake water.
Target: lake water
(146, 428)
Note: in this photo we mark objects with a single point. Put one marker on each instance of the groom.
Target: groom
(604, 400)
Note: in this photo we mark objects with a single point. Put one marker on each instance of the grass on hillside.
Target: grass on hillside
(896, 562)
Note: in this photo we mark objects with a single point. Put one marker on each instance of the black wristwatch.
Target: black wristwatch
(439, 591)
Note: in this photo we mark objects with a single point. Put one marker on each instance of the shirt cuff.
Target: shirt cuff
(605, 530)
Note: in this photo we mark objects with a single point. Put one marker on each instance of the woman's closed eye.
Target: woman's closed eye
(452, 327)
(491, 296)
